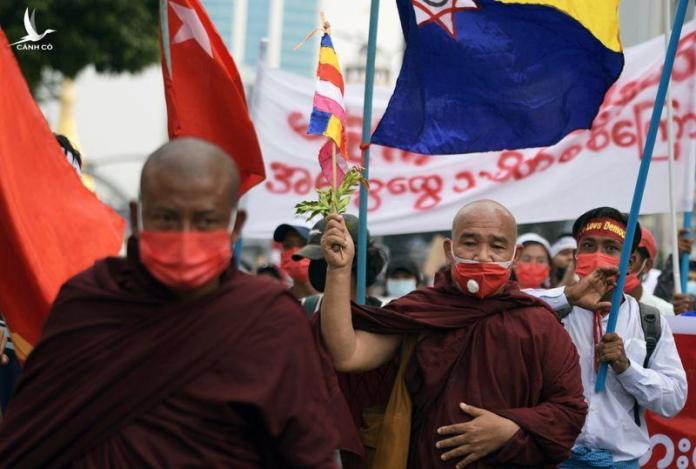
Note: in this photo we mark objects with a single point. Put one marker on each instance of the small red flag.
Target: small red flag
(205, 95)
(51, 226)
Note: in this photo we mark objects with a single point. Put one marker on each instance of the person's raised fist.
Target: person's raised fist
(336, 243)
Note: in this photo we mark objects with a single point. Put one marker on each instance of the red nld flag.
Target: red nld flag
(51, 226)
(205, 95)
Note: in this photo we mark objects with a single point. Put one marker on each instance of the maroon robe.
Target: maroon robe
(508, 354)
(126, 375)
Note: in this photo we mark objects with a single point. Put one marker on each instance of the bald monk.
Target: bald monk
(494, 379)
(171, 357)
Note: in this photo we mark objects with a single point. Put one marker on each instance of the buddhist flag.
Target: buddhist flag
(205, 95)
(329, 113)
(490, 75)
(51, 226)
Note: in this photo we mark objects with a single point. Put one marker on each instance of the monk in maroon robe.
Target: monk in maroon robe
(172, 357)
(494, 379)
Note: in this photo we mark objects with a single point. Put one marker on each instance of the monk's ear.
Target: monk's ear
(447, 247)
(518, 252)
(133, 217)
(239, 225)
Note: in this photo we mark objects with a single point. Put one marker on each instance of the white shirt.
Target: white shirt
(650, 281)
(661, 387)
(665, 308)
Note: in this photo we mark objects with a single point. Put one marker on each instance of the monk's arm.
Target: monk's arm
(350, 350)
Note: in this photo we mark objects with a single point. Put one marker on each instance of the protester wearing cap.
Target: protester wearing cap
(562, 256)
(292, 238)
(641, 263)
(312, 254)
(615, 435)
(403, 276)
(533, 265)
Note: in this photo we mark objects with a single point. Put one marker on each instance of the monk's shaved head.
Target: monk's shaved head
(188, 184)
(490, 209)
(191, 158)
(484, 231)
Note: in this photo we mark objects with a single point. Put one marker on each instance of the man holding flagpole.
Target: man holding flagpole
(645, 369)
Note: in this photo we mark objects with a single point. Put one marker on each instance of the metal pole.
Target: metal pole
(670, 152)
(642, 179)
(366, 136)
(253, 114)
(684, 260)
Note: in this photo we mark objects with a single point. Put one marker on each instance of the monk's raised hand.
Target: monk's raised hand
(336, 243)
(590, 292)
(476, 439)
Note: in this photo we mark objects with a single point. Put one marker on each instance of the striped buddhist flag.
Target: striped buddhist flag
(329, 113)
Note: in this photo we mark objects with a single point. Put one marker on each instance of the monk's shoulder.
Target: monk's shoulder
(536, 315)
(271, 296)
(98, 276)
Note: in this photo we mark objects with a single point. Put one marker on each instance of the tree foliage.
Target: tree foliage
(114, 36)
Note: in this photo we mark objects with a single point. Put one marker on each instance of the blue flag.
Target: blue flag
(489, 75)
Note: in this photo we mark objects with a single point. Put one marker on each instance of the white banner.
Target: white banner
(414, 193)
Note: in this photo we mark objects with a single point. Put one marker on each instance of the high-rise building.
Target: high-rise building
(243, 24)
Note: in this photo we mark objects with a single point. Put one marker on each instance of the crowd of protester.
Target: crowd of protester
(172, 356)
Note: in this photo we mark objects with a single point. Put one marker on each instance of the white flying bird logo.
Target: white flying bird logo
(30, 26)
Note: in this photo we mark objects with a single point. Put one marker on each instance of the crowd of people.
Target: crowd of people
(172, 356)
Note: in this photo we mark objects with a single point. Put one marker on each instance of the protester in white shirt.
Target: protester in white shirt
(642, 261)
(612, 437)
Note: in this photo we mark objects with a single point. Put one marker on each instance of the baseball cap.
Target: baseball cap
(405, 264)
(282, 230)
(647, 242)
(313, 248)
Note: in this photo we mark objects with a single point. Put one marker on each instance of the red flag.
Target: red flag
(205, 95)
(51, 226)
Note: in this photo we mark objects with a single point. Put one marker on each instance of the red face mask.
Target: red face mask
(531, 274)
(185, 260)
(587, 263)
(297, 270)
(480, 279)
(633, 280)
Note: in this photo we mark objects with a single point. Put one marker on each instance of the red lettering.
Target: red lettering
(570, 153)
(429, 188)
(467, 178)
(621, 137)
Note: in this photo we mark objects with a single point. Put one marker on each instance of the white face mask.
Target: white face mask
(398, 287)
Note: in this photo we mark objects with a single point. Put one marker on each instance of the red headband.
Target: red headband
(605, 227)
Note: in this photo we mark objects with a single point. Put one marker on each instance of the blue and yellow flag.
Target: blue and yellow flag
(488, 75)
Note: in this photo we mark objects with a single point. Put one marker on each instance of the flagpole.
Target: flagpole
(676, 271)
(366, 136)
(334, 179)
(642, 179)
(684, 261)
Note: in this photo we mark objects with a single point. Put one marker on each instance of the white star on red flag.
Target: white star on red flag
(442, 12)
(191, 28)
